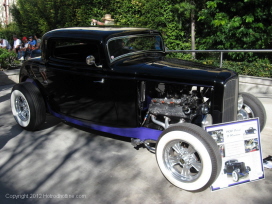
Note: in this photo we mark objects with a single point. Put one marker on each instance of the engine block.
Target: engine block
(182, 108)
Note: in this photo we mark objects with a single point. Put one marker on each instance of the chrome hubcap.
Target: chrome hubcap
(22, 108)
(182, 160)
(245, 113)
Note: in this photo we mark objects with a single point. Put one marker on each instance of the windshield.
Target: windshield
(128, 45)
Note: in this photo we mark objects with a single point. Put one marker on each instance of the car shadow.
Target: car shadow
(50, 121)
(4, 97)
(16, 129)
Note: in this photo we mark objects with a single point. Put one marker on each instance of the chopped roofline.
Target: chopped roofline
(103, 28)
(97, 32)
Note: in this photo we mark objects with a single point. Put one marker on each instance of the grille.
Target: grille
(230, 100)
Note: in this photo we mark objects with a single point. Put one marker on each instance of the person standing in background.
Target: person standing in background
(107, 20)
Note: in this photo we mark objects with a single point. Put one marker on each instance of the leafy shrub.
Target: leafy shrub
(258, 68)
(6, 58)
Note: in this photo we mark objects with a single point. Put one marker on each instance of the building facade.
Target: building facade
(5, 15)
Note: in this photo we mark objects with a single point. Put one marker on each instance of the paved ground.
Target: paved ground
(61, 161)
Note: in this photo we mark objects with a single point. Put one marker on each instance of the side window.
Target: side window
(74, 49)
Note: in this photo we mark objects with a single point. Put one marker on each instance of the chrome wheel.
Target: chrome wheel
(22, 108)
(188, 157)
(252, 108)
(27, 105)
(245, 113)
(182, 160)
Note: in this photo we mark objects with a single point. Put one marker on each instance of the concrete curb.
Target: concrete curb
(250, 84)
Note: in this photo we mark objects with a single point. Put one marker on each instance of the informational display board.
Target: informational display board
(240, 148)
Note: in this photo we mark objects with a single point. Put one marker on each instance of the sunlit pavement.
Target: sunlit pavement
(64, 164)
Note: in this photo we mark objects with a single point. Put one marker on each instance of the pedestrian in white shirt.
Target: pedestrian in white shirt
(4, 44)
(17, 43)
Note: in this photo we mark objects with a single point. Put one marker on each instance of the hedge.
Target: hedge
(259, 69)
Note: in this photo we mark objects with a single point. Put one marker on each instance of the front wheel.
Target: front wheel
(252, 108)
(235, 176)
(188, 157)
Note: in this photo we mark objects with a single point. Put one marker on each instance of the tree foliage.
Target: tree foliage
(239, 24)
(220, 24)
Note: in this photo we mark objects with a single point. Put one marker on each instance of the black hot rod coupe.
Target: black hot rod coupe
(250, 130)
(120, 81)
(236, 169)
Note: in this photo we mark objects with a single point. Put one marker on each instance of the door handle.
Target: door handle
(101, 81)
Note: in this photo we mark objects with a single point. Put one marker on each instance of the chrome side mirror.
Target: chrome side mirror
(90, 60)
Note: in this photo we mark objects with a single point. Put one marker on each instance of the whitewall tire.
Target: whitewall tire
(27, 105)
(188, 157)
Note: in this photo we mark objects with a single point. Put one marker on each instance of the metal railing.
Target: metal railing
(220, 51)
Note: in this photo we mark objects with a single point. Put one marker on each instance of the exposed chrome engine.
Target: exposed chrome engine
(179, 104)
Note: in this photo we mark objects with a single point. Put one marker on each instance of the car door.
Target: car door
(76, 89)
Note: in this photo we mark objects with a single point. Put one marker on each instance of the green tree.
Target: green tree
(186, 10)
(239, 24)
(40, 16)
(161, 15)
(185, 24)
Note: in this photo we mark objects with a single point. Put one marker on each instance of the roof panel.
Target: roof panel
(98, 33)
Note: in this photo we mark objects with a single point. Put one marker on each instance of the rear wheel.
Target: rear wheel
(188, 157)
(27, 106)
